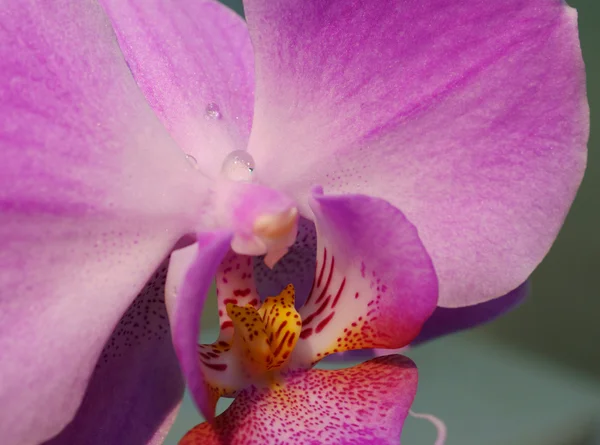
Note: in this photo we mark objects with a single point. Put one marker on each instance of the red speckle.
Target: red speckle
(291, 340)
(311, 317)
(281, 326)
(306, 333)
(339, 293)
(277, 350)
(322, 267)
(328, 280)
(324, 322)
(215, 366)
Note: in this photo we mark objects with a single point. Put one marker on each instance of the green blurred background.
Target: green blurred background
(533, 375)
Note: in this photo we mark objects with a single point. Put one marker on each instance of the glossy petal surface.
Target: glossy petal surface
(468, 115)
(193, 61)
(93, 195)
(375, 284)
(186, 307)
(136, 388)
(365, 404)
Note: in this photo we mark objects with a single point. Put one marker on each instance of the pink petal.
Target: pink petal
(375, 284)
(93, 195)
(468, 115)
(137, 386)
(365, 404)
(185, 309)
(193, 61)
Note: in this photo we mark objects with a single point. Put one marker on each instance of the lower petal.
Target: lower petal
(137, 386)
(361, 405)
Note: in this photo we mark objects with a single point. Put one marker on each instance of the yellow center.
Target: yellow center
(266, 337)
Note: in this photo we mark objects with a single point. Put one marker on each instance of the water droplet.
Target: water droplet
(213, 111)
(192, 160)
(238, 166)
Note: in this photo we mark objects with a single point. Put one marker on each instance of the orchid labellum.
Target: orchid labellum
(354, 173)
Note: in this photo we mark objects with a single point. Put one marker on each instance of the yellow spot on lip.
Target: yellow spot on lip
(266, 337)
(277, 225)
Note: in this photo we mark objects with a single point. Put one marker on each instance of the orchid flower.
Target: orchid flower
(415, 154)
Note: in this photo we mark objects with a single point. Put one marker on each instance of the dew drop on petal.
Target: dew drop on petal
(238, 166)
(192, 160)
(213, 111)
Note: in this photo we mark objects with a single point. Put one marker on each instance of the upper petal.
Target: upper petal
(365, 404)
(93, 194)
(469, 115)
(137, 386)
(193, 61)
(375, 284)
